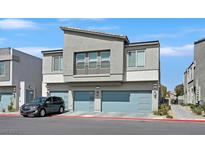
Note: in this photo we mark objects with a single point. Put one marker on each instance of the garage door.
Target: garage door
(84, 101)
(63, 95)
(5, 100)
(127, 101)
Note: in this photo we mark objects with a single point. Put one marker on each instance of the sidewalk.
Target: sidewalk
(182, 115)
(182, 112)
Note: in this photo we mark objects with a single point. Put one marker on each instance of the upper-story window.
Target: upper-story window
(80, 60)
(136, 58)
(2, 68)
(57, 63)
(92, 60)
(105, 59)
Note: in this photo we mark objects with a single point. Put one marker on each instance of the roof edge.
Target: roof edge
(199, 41)
(123, 37)
(155, 42)
(52, 50)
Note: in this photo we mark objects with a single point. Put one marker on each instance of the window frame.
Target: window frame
(76, 62)
(97, 53)
(137, 51)
(104, 60)
(136, 58)
(60, 65)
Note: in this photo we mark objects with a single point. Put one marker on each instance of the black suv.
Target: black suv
(42, 106)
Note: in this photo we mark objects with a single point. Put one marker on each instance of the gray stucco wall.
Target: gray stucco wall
(76, 42)
(5, 51)
(29, 69)
(199, 57)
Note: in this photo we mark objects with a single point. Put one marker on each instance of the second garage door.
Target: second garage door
(127, 101)
(63, 95)
(84, 101)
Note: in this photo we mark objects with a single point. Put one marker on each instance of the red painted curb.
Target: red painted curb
(132, 119)
(115, 118)
(9, 115)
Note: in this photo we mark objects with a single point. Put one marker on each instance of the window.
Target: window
(92, 62)
(136, 58)
(2, 68)
(132, 59)
(80, 61)
(92, 59)
(105, 59)
(140, 58)
(57, 63)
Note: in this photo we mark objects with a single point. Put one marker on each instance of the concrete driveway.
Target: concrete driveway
(183, 113)
(109, 114)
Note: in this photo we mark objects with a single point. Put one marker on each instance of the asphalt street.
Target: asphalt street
(69, 126)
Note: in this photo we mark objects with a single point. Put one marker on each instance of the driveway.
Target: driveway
(109, 114)
(183, 113)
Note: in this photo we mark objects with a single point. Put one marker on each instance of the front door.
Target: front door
(84, 101)
(29, 95)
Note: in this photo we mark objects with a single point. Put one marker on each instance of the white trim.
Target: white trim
(11, 67)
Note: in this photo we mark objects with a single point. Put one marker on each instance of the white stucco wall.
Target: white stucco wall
(145, 75)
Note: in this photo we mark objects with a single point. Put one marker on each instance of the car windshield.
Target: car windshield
(38, 100)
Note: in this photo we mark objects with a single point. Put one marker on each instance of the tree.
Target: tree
(179, 90)
(163, 90)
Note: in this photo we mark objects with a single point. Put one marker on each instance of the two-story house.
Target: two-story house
(20, 77)
(103, 72)
(199, 77)
(194, 77)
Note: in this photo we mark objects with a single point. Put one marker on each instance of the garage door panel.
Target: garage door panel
(126, 101)
(84, 101)
(118, 107)
(5, 100)
(63, 95)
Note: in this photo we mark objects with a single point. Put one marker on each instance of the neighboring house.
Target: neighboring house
(194, 77)
(199, 59)
(189, 85)
(171, 95)
(20, 77)
(103, 72)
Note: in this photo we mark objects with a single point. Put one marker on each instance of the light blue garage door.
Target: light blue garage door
(5, 100)
(84, 101)
(127, 101)
(63, 95)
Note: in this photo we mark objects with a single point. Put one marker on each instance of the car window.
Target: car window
(48, 100)
(55, 99)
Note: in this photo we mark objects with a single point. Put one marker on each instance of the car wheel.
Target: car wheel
(61, 109)
(42, 113)
(25, 116)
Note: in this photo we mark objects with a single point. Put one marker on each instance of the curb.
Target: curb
(129, 118)
(9, 115)
(114, 118)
